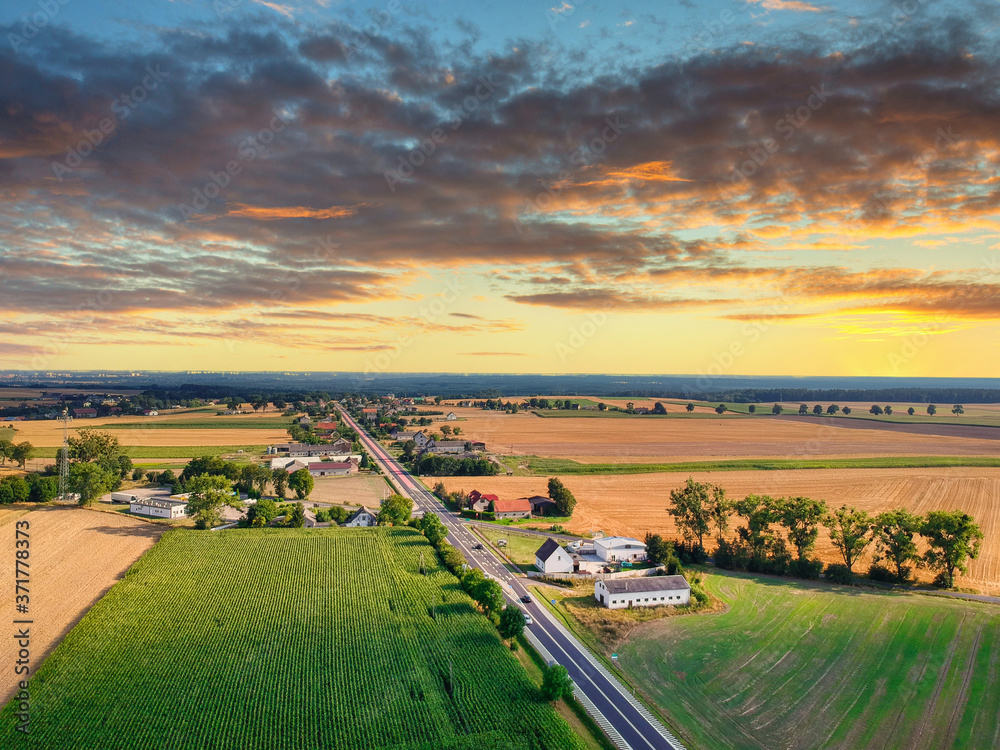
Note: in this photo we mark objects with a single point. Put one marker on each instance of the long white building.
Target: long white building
(649, 591)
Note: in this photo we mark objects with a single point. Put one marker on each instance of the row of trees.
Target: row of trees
(952, 537)
(19, 453)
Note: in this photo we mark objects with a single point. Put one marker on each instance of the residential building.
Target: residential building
(326, 426)
(341, 445)
(332, 468)
(620, 549)
(451, 416)
(361, 517)
(512, 508)
(552, 558)
(649, 591)
(370, 414)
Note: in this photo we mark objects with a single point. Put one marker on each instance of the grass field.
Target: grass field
(566, 467)
(169, 451)
(797, 666)
(286, 639)
(636, 504)
(76, 555)
(520, 548)
(975, 414)
(282, 423)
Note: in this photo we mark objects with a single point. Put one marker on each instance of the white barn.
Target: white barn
(650, 591)
(552, 558)
(361, 517)
(620, 549)
(158, 507)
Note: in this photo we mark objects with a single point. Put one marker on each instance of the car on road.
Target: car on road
(526, 599)
(528, 620)
(477, 546)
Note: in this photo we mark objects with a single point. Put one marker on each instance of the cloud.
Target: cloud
(493, 354)
(797, 5)
(265, 213)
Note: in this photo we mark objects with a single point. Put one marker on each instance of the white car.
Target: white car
(528, 620)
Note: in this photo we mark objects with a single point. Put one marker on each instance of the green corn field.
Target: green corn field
(286, 638)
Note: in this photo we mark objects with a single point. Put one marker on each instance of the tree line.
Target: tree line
(699, 509)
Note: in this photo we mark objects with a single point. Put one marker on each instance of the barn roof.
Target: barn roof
(646, 584)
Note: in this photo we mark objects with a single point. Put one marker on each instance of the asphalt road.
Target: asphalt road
(627, 722)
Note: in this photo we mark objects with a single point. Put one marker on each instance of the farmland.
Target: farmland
(709, 438)
(286, 638)
(636, 504)
(358, 489)
(797, 665)
(76, 556)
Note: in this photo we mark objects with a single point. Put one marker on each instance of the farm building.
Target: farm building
(326, 426)
(451, 416)
(361, 517)
(512, 508)
(84, 413)
(620, 549)
(650, 591)
(159, 507)
(332, 468)
(419, 438)
(552, 558)
(446, 446)
(283, 462)
(341, 445)
(541, 505)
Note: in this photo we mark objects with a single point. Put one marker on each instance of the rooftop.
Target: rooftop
(647, 583)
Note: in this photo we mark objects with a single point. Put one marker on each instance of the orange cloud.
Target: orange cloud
(265, 213)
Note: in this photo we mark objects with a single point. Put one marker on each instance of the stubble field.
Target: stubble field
(635, 504)
(76, 555)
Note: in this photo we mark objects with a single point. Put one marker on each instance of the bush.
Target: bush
(806, 568)
(731, 556)
(837, 573)
(881, 573)
(136, 475)
(690, 553)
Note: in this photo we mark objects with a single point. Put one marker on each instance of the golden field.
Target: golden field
(635, 504)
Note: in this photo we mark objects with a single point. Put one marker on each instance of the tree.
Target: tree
(21, 453)
(511, 622)
(850, 531)
(957, 409)
(931, 409)
(438, 400)
(562, 497)
(91, 445)
(296, 518)
(720, 409)
(777, 409)
(954, 537)
(279, 480)
(489, 595)
(888, 410)
(556, 683)
(456, 431)
(689, 505)
(817, 410)
(803, 408)
(876, 409)
(760, 511)
(719, 509)
(6, 450)
(893, 532)
(832, 409)
(630, 407)
(847, 410)
(689, 407)
(301, 483)
(911, 411)
(656, 549)
(42, 489)
(395, 510)
(89, 481)
(802, 517)
(659, 408)
(14, 490)
(261, 513)
(602, 406)
(752, 408)
(208, 495)
(432, 528)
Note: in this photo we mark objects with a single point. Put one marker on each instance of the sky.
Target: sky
(759, 187)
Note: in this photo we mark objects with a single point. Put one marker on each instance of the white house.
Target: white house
(158, 507)
(451, 416)
(620, 549)
(552, 558)
(361, 517)
(650, 591)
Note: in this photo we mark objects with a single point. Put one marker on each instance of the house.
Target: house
(512, 508)
(150, 413)
(361, 517)
(341, 445)
(445, 446)
(326, 426)
(370, 414)
(650, 591)
(159, 507)
(479, 502)
(478, 445)
(332, 468)
(542, 505)
(620, 549)
(84, 413)
(303, 420)
(552, 558)
(451, 416)
(419, 438)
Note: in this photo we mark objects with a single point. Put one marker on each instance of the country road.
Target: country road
(628, 723)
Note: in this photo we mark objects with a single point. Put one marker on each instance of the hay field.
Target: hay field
(665, 440)
(76, 556)
(633, 505)
(49, 433)
(359, 489)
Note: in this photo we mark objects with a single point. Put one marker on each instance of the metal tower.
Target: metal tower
(64, 459)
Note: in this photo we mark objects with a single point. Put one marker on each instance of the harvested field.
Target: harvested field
(635, 504)
(76, 556)
(360, 489)
(705, 439)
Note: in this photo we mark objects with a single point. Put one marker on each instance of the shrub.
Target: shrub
(881, 573)
(838, 573)
(731, 555)
(690, 553)
(136, 475)
(806, 568)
